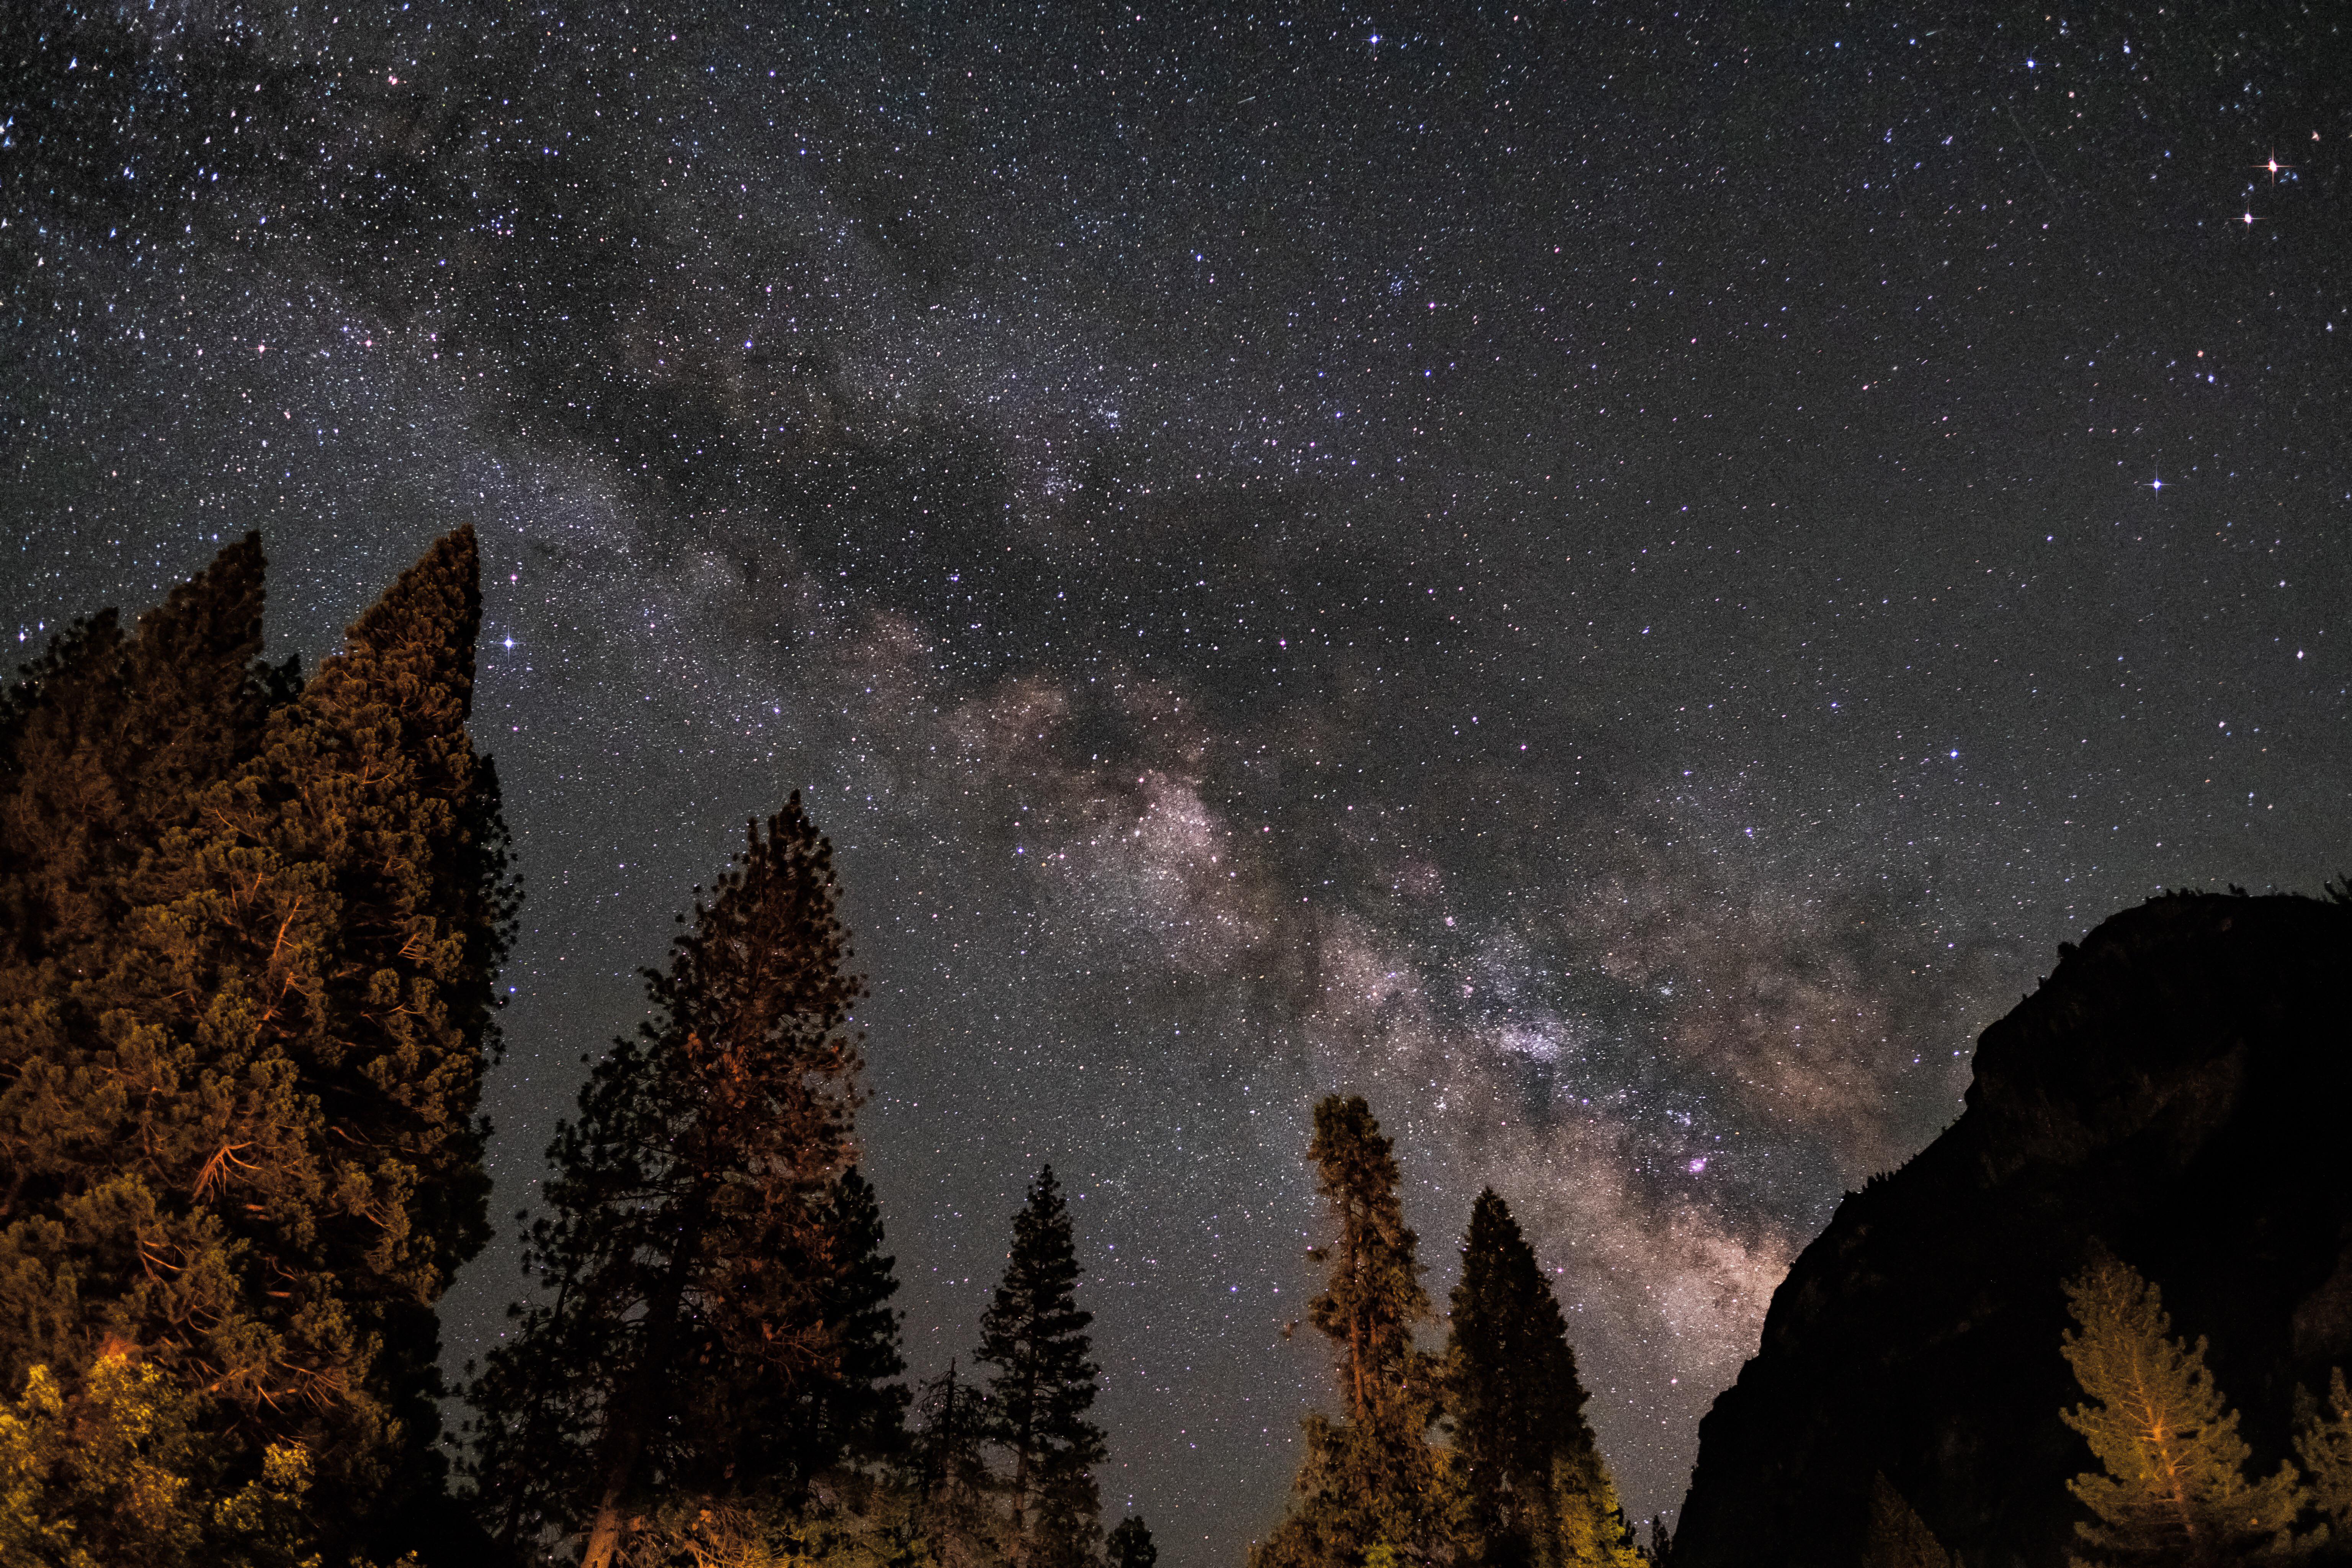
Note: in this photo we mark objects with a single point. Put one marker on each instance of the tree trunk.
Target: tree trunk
(624, 1431)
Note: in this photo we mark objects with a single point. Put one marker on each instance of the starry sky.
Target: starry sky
(1611, 578)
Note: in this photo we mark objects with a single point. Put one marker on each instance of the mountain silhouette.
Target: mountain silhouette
(2180, 1089)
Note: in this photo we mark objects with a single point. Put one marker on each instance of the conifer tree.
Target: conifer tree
(1513, 1392)
(857, 1409)
(106, 745)
(1581, 1523)
(336, 905)
(688, 1238)
(2325, 1446)
(1370, 1483)
(2172, 1488)
(1130, 1544)
(1034, 1336)
(848, 1411)
(278, 997)
(1896, 1537)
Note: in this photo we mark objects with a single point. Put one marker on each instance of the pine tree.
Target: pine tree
(270, 974)
(106, 745)
(951, 1478)
(1373, 1297)
(1897, 1536)
(848, 1412)
(1034, 1336)
(1515, 1402)
(2323, 1444)
(336, 906)
(2173, 1487)
(1130, 1544)
(111, 744)
(858, 1410)
(688, 1238)
(1372, 1483)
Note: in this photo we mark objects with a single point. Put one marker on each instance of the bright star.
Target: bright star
(2157, 483)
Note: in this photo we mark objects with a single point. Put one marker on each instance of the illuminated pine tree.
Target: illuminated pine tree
(2172, 1487)
(269, 974)
(2324, 1446)
(1372, 1483)
(1581, 1524)
(689, 1237)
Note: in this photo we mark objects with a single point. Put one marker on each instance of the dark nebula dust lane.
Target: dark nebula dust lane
(1613, 579)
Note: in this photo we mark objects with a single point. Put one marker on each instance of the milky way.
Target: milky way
(1611, 579)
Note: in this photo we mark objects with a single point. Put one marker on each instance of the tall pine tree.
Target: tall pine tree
(856, 1410)
(107, 744)
(278, 997)
(2172, 1487)
(1535, 1489)
(690, 1235)
(1371, 1483)
(1034, 1336)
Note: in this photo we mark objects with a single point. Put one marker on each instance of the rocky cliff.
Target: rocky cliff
(2181, 1088)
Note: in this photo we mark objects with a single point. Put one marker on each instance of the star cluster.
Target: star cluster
(1614, 580)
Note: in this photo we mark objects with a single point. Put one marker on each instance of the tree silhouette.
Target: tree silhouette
(1035, 1335)
(267, 919)
(688, 1243)
(1130, 1544)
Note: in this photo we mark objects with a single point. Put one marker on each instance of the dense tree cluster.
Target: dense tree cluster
(1521, 1483)
(249, 928)
(245, 1005)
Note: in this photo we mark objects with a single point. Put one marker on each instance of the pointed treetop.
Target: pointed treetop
(424, 625)
(196, 700)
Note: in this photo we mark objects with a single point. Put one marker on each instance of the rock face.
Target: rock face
(2181, 1088)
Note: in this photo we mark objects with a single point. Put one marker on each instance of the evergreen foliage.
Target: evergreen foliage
(856, 1409)
(2325, 1446)
(1130, 1544)
(1583, 1524)
(1896, 1537)
(265, 946)
(1373, 1483)
(1034, 1336)
(951, 1480)
(2172, 1488)
(689, 1239)
(119, 1472)
(1373, 1297)
(1518, 1407)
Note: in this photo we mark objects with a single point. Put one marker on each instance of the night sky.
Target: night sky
(1612, 579)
